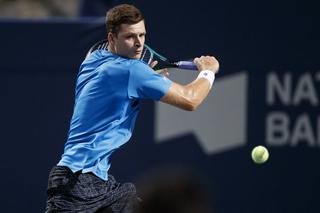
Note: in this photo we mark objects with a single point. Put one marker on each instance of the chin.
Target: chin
(137, 56)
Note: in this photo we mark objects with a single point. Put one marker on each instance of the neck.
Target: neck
(111, 49)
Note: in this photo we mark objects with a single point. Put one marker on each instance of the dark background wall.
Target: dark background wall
(39, 63)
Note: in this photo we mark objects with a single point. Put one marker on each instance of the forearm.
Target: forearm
(188, 97)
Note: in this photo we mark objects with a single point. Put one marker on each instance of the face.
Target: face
(129, 41)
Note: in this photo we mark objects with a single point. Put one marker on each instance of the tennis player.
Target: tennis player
(109, 89)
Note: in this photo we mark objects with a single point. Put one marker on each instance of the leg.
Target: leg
(105, 210)
(87, 193)
(126, 200)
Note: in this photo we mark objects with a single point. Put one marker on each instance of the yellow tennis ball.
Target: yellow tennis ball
(260, 154)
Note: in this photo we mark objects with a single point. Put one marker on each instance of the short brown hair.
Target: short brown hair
(122, 14)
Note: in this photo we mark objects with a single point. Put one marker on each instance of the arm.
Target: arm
(190, 96)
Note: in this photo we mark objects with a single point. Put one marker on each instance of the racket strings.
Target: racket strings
(147, 56)
(100, 46)
(104, 46)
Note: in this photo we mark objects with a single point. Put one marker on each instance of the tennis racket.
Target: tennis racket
(148, 55)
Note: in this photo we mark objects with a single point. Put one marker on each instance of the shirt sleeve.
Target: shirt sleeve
(144, 83)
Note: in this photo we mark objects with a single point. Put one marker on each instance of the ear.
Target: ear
(110, 38)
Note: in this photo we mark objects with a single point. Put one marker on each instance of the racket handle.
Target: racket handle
(187, 65)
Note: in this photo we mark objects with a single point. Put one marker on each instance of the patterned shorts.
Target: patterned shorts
(86, 193)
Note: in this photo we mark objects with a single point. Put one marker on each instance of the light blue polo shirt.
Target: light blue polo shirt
(107, 96)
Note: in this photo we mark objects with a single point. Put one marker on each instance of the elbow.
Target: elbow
(191, 105)
(192, 108)
(192, 101)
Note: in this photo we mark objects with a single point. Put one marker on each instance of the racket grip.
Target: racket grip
(187, 65)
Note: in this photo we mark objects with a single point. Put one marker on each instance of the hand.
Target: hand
(207, 63)
(163, 72)
(153, 64)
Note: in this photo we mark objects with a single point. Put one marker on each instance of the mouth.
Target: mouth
(138, 51)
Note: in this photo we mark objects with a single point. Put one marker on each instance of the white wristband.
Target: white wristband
(207, 74)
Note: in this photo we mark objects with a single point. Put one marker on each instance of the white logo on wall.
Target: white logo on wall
(219, 123)
(296, 117)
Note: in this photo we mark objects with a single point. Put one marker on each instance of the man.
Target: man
(109, 88)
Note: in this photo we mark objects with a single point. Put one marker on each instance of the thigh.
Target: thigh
(76, 192)
(127, 201)
(68, 191)
(105, 210)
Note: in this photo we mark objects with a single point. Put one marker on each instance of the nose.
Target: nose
(138, 42)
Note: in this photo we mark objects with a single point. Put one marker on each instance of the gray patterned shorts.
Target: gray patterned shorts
(86, 193)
